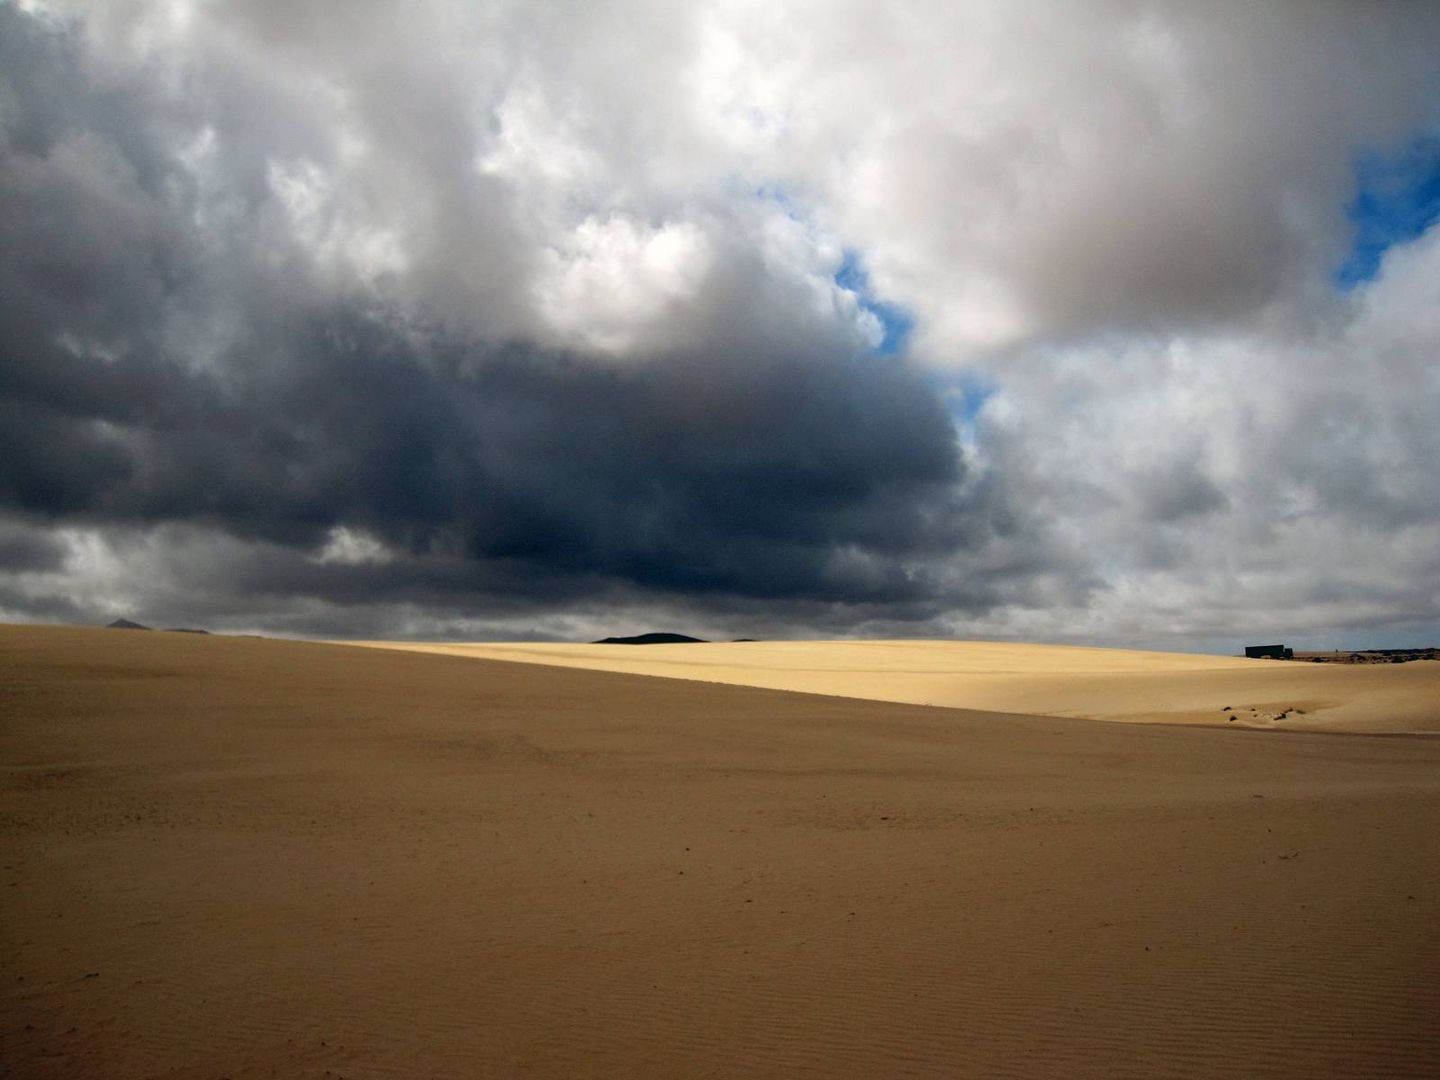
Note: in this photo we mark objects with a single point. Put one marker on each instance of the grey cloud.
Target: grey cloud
(1182, 491)
(26, 550)
(1151, 167)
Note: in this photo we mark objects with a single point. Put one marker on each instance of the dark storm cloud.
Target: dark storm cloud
(746, 467)
(682, 474)
(26, 550)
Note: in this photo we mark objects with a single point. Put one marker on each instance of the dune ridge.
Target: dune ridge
(1039, 680)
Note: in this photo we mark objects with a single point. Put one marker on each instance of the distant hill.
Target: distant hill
(186, 630)
(651, 639)
(125, 624)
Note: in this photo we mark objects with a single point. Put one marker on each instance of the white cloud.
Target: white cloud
(1277, 475)
(612, 283)
(353, 547)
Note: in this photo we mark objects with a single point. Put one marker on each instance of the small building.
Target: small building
(1269, 652)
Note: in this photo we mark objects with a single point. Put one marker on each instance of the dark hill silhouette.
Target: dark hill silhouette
(650, 639)
(187, 630)
(125, 624)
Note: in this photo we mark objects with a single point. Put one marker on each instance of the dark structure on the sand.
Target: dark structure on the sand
(1269, 652)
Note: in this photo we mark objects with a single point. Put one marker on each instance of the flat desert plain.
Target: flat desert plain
(242, 858)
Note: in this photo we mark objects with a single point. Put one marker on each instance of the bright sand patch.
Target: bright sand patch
(244, 858)
(1047, 680)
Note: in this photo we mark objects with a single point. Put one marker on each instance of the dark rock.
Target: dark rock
(650, 639)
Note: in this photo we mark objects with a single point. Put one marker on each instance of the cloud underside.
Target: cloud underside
(495, 323)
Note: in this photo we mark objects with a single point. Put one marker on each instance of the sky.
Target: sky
(1102, 322)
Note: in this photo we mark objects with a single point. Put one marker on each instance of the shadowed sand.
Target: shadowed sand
(1045, 680)
(251, 858)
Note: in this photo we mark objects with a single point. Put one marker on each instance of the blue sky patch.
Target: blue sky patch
(895, 322)
(965, 394)
(1397, 198)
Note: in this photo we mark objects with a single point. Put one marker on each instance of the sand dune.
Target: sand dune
(251, 858)
(1047, 680)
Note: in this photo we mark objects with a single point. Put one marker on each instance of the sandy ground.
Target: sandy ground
(244, 858)
(1046, 680)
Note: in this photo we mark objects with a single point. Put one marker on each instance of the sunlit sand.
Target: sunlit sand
(1050, 680)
